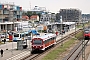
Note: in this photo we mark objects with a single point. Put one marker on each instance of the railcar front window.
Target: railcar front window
(86, 32)
(37, 42)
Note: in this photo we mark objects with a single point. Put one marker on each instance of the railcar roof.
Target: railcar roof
(45, 36)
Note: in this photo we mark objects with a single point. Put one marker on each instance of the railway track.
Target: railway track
(76, 52)
(34, 56)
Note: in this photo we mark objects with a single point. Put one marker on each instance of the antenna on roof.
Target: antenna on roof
(30, 5)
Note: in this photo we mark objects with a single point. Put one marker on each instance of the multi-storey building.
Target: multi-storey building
(39, 10)
(9, 13)
(47, 18)
(86, 17)
(57, 17)
(70, 15)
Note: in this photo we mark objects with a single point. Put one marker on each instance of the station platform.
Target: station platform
(13, 54)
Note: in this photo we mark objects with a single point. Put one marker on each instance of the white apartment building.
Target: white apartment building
(47, 18)
(9, 13)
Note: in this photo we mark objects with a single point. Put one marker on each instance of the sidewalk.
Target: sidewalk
(88, 50)
(88, 57)
(13, 54)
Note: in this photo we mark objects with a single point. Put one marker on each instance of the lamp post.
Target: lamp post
(12, 34)
(6, 37)
(11, 16)
(75, 29)
(29, 36)
(61, 29)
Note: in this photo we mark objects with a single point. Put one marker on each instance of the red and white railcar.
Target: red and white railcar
(43, 42)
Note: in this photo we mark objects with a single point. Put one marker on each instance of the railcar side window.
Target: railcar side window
(37, 42)
(51, 39)
(45, 41)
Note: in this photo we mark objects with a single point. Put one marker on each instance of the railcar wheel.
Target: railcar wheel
(32, 52)
(54, 44)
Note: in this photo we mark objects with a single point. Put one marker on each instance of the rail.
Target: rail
(76, 52)
(34, 56)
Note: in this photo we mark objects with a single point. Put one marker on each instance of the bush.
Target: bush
(43, 31)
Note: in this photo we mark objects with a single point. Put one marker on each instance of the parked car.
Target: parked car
(7, 39)
(50, 31)
(3, 35)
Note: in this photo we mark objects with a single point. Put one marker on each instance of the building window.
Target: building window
(5, 12)
(0, 20)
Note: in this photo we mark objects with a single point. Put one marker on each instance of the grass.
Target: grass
(55, 53)
(10, 41)
(85, 24)
(79, 26)
(1, 43)
(80, 34)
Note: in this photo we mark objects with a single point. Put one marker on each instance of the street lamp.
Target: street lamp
(11, 13)
(12, 39)
(29, 36)
(6, 37)
(75, 29)
(29, 33)
(61, 29)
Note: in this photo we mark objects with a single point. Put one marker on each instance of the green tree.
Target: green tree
(34, 13)
(29, 13)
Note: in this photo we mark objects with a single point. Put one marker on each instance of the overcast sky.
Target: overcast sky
(53, 5)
